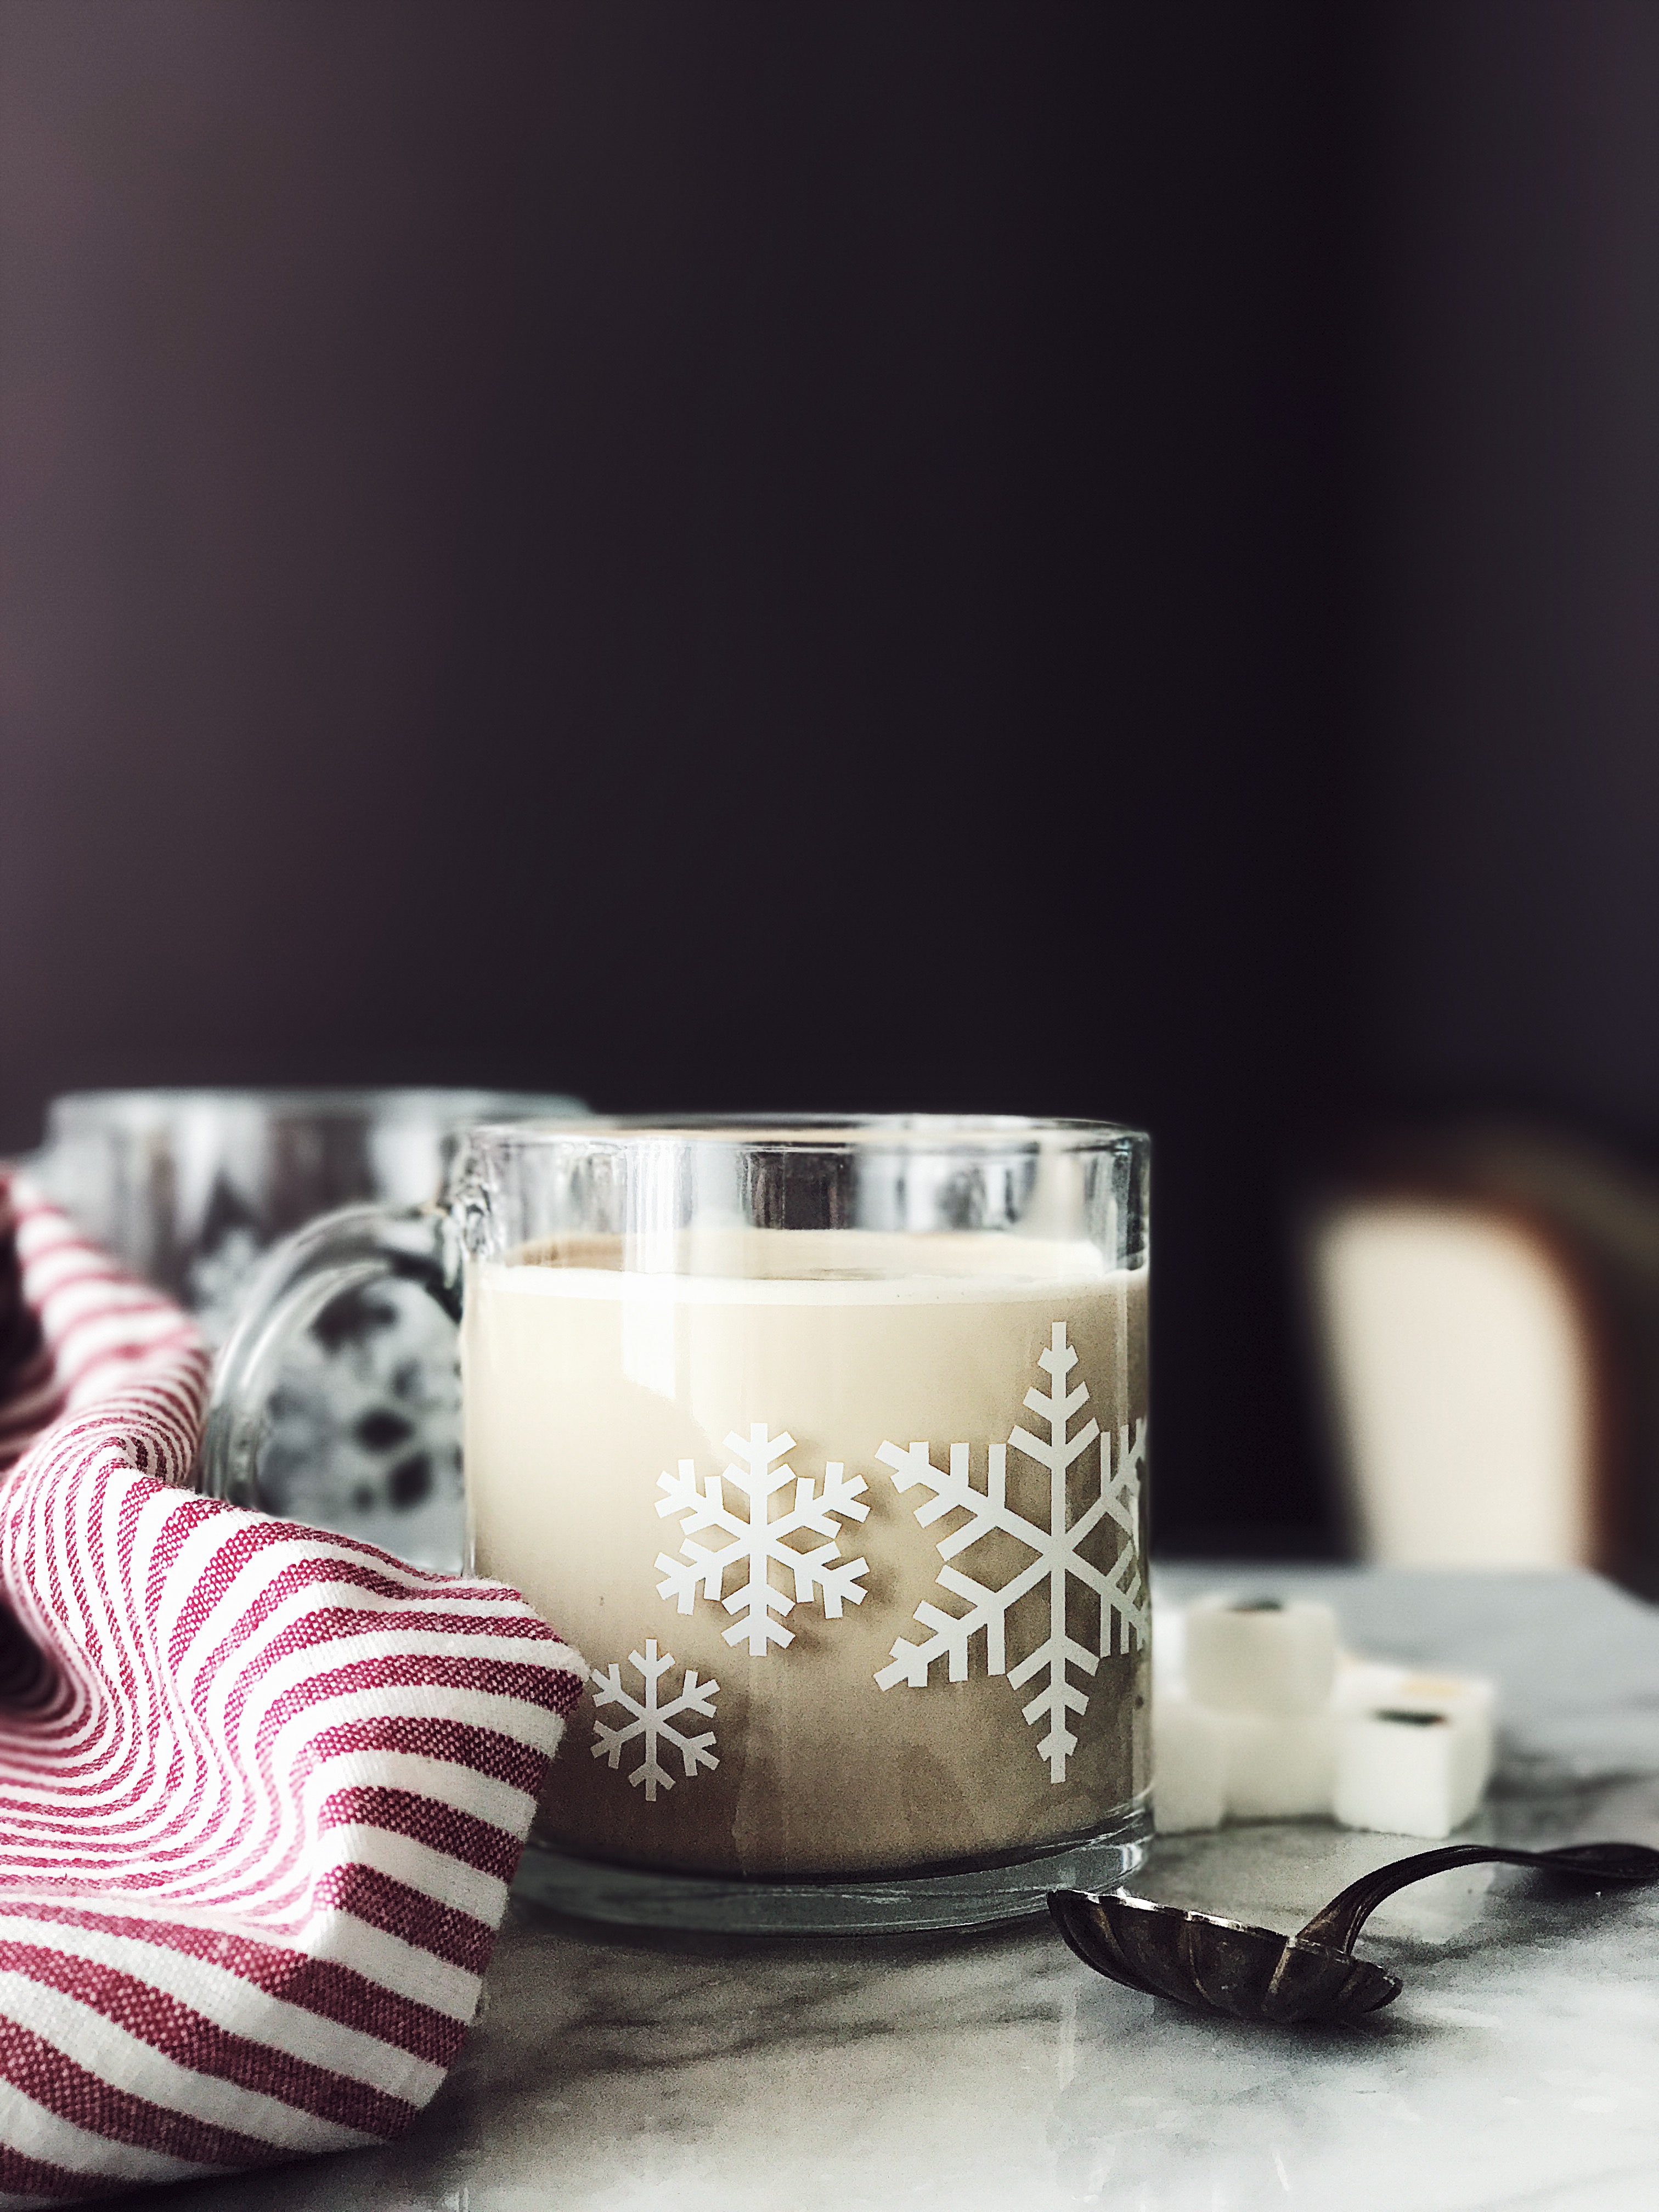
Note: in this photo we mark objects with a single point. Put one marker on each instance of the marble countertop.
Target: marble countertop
(1519, 2070)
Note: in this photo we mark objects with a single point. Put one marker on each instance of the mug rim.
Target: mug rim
(150, 1106)
(815, 1131)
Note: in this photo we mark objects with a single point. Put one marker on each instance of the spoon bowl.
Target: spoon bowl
(1223, 1965)
(1227, 1966)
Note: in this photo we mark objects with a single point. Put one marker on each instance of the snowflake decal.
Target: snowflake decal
(757, 1544)
(1056, 1560)
(653, 1722)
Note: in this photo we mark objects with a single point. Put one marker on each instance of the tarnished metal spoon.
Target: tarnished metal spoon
(1223, 1965)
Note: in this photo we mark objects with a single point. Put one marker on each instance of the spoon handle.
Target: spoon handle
(1337, 1925)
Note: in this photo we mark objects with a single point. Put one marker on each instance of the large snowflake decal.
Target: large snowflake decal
(758, 1471)
(652, 1722)
(1057, 1557)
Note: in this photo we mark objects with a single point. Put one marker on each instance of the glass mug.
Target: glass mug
(825, 1441)
(190, 1188)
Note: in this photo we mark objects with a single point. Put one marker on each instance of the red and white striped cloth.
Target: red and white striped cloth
(262, 1788)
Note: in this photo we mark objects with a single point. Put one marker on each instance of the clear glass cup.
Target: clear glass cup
(190, 1188)
(825, 1441)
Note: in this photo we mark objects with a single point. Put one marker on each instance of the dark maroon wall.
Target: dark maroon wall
(731, 554)
(1096, 558)
(1509, 687)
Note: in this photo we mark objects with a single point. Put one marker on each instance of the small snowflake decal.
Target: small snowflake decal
(653, 1722)
(1057, 1558)
(758, 1472)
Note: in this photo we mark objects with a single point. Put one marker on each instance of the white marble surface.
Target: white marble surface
(1520, 2069)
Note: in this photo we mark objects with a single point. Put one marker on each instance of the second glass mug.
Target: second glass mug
(824, 1441)
(190, 1188)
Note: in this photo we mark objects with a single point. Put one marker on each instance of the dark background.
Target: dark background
(1090, 559)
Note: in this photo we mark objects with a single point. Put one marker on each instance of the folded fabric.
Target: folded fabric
(262, 1788)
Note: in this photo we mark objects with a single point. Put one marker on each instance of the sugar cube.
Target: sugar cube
(1189, 1766)
(1261, 1655)
(1369, 1686)
(1410, 1769)
(1280, 1766)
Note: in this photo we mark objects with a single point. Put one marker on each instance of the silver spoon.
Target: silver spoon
(1223, 1965)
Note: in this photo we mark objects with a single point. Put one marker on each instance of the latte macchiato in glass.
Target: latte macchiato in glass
(825, 1441)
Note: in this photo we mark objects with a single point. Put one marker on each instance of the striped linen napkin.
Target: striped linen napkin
(262, 1788)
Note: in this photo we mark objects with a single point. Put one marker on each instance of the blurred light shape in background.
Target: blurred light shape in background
(1461, 1370)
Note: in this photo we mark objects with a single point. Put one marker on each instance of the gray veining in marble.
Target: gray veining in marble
(1520, 2069)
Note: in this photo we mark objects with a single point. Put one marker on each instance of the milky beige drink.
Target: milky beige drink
(733, 1484)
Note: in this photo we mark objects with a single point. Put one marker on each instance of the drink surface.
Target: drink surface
(595, 1395)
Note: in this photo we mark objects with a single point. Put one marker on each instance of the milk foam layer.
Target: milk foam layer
(587, 1382)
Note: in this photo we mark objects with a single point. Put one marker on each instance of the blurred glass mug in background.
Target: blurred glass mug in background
(824, 1441)
(190, 1188)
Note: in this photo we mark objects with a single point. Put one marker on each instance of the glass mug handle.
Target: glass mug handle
(295, 1282)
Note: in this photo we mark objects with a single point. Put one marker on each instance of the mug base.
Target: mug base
(855, 1905)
